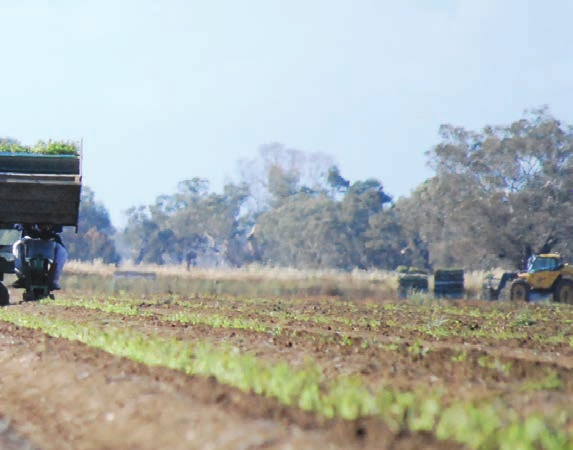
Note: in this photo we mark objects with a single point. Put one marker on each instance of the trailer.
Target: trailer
(36, 190)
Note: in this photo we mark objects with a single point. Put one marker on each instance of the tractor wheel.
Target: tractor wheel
(564, 292)
(519, 292)
(4, 295)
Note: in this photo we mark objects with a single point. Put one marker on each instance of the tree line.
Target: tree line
(496, 196)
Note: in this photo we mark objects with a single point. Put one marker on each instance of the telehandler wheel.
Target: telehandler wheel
(4, 295)
(519, 291)
(564, 292)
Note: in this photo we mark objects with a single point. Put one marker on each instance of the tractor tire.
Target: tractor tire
(519, 292)
(564, 292)
(4, 295)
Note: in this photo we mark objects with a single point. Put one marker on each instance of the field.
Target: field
(276, 360)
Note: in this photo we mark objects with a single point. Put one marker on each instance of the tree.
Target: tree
(282, 185)
(212, 221)
(336, 181)
(306, 232)
(142, 236)
(94, 239)
(497, 192)
(311, 230)
(189, 225)
(280, 172)
(363, 201)
(308, 216)
(384, 242)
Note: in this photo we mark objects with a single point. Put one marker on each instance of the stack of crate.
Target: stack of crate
(449, 283)
(412, 280)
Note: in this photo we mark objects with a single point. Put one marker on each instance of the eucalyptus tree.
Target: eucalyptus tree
(306, 232)
(210, 222)
(279, 172)
(190, 225)
(498, 192)
(95, 237)
(320, 229)
(142, 236)
(362, 213)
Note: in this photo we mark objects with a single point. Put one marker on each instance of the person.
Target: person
(45, 233)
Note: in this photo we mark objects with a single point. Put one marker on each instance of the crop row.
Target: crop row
(519, 370)
(479, 425)
(508, 322)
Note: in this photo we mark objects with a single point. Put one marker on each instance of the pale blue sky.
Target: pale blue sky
(166, 91)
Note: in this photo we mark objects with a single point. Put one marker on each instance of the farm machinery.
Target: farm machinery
(546, 274)
(38, 192)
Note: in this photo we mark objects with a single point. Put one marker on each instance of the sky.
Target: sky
(161, 92)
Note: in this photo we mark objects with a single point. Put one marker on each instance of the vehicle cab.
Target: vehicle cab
(543, 270)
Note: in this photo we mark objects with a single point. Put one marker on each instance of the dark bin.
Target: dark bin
(449, 283)
(408, 284)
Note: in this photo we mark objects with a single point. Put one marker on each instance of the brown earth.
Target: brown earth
(60, 394)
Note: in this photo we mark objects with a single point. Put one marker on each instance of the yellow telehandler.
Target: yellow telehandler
(546, 274)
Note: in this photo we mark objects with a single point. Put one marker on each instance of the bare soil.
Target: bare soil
(60, 394)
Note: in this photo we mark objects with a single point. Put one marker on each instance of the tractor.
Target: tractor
(36, 191)
(546, 274)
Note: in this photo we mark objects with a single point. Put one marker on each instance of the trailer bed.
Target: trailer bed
(39, 189)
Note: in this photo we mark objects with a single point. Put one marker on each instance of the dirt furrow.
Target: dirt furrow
(63, 395)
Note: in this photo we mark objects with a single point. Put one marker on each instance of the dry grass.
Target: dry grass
(253, 280)
(248, 281)
(249, 273)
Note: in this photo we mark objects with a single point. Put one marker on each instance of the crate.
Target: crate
(411, 283)
(449, 283)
